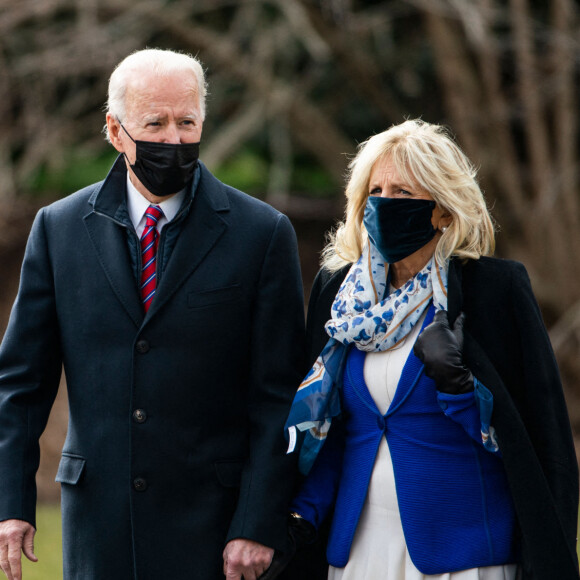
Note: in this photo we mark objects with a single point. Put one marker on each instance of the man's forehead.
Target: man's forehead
(149, 85)
(152, 90)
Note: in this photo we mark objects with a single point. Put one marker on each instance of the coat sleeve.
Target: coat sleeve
(30, 369)
(510, 352)
(277, 367)
(324, 290)
(543, 408)
(313, 326)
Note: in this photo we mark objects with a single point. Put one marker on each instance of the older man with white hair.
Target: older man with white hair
(174, 304)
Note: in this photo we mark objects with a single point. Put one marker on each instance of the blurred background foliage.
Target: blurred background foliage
(294, 86)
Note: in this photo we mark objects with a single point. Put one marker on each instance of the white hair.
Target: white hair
(425, 154)
(156, 61)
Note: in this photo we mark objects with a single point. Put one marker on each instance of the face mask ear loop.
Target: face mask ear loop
(123, 127)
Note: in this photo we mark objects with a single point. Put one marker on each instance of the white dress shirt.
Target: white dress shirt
(137, 206)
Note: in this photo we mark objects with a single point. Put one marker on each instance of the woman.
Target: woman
(433, 422)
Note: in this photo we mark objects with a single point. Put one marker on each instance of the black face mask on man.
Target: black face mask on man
(164, 168)
(398, 227)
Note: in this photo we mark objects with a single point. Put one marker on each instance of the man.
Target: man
(174, 303)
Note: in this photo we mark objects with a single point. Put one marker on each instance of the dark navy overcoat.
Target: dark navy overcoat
(175, 441)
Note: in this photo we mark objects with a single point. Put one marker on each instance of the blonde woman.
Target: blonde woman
(433, 423)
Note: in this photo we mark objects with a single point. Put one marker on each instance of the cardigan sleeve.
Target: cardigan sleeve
(318, 491)
(473, 412)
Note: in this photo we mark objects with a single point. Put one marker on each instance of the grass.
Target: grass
(47, 546)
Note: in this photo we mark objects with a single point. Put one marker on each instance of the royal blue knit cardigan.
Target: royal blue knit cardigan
(453, 496)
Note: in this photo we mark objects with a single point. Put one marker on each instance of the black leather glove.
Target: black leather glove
(439, 347)
(300, 533)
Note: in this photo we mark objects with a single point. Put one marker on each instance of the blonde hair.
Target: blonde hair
(427, 155)
(156, 61)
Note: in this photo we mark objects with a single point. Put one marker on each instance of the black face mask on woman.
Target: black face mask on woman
(164, 168)
(398, 227)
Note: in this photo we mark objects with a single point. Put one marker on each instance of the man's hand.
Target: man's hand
(15, 536)
(247, 559)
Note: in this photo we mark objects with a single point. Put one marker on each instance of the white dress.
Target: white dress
(378, 550)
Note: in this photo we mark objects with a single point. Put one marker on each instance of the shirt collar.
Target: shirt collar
(138, 205)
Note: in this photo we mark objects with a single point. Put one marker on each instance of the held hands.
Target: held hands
(15, 536)
(440, 347)
(300, 533)
(246, 559)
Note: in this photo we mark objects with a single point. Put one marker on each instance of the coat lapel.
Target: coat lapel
(110, 243)
(202, 228)
(109, 238)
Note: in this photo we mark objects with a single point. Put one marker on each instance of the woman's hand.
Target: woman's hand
(440, 349)
(300, 533)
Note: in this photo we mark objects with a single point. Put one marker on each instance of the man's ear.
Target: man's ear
(114, 129)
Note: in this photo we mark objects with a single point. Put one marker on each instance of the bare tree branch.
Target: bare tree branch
(456, 75)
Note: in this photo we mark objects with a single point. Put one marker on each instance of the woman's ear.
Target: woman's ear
(441, 218)
(445, 221)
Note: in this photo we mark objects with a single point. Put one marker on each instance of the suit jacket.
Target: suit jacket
(507, 348)
(175, 440)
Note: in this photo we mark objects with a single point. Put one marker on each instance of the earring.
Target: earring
(443, 229)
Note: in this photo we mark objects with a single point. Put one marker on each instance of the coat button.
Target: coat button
(381, 423)
(139, 416)
(139, 484)
(142, 346)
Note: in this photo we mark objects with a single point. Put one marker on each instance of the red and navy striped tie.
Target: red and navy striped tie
(149, 242)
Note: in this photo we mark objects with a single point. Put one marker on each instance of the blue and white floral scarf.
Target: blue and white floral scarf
(362, 318)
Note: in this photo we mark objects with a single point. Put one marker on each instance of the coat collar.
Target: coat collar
(110, 198)
(454, 289)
